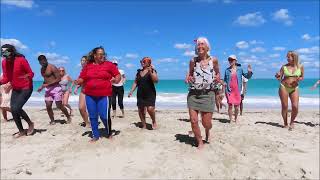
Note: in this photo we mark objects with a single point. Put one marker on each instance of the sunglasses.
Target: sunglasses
(230, 60)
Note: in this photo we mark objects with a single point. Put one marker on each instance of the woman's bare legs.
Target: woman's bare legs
(142, 115)
(207, 124)
(65, 101)
(152, 113)
(283, 94)
(294, 97)
(236, 112)
(230, 112)
(83, 109)
(195, 127)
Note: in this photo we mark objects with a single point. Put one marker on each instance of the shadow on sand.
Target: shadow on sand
(184, 138)
(139, 125)
(103, 133)
(222, 120)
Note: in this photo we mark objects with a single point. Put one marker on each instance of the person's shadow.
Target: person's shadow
(184, 138)
(35, 131)
(222, 120)
(139, 125)
(103, 133)
(270, 123)
(60, 121)
(184, 119)
(307, 123)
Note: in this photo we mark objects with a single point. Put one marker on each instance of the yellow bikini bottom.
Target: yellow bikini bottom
(289, 89)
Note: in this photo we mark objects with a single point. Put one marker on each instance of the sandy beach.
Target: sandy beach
(257, 147)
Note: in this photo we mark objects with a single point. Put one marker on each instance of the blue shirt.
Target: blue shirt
(240, 73)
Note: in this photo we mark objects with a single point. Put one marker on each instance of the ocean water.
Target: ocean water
(261, 93)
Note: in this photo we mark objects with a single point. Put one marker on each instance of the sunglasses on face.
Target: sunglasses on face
(230, 60)
(5, 53)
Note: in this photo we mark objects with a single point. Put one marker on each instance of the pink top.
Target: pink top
(234, 96)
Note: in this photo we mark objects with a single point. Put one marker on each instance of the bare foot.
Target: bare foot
(93, 140)
(154, 126)
(52, 123)
(30, 129)
(190, 133)
(291, 127)
(87, 125)
(200, 145)
(286, 126)
(19, 134)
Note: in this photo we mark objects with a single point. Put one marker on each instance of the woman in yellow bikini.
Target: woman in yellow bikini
(290, 74)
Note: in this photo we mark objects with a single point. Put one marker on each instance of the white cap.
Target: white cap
(232, 56)
(115, 62)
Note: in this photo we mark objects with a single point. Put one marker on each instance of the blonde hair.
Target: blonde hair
(295, 58)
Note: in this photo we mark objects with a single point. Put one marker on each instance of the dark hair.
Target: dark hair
(13, 50)
(93, 52)
(42, 57)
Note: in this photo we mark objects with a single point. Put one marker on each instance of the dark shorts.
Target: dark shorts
(242, 97)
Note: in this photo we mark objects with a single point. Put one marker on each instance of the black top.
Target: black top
(146, 93)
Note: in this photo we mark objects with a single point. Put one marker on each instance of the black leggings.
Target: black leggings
(18, 99)
(117, 91)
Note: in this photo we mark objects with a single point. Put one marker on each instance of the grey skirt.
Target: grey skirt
(201, 102)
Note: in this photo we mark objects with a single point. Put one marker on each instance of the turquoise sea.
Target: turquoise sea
(261, 93)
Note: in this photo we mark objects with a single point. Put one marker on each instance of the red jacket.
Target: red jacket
(97, 78)
(18, 72)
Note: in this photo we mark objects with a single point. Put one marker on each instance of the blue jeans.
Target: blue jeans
(98, 106)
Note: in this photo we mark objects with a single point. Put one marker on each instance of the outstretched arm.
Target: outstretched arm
(134, 86)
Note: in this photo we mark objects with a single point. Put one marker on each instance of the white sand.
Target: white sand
(255, 148)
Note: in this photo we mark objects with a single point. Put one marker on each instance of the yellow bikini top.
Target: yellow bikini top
(286, 72)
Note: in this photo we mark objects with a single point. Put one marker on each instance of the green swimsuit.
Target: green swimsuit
(286, 73)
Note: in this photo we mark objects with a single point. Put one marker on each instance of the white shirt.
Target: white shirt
(244, 80)
(122, 79)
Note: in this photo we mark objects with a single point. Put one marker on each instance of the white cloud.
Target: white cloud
(251, 60)
(312, 50)
(129, 65)
(250, 19)
(242, 45)
(253, 42)
(278, 48)
(116, 57)
(282, 15)
(276, 55)
(168, 60)
(182, 46)
(189, 53)
(242, 53)
(55, 58)
(131, 56)
(19, 3)
(16, 43)
(304, 57)
(258, 49)
(307, 37)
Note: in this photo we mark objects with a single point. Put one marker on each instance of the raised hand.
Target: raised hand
(249, 68)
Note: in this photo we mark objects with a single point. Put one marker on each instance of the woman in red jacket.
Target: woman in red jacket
(18, 75)
(96, 77)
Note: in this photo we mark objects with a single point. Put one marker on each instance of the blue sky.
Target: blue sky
(259, 32)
